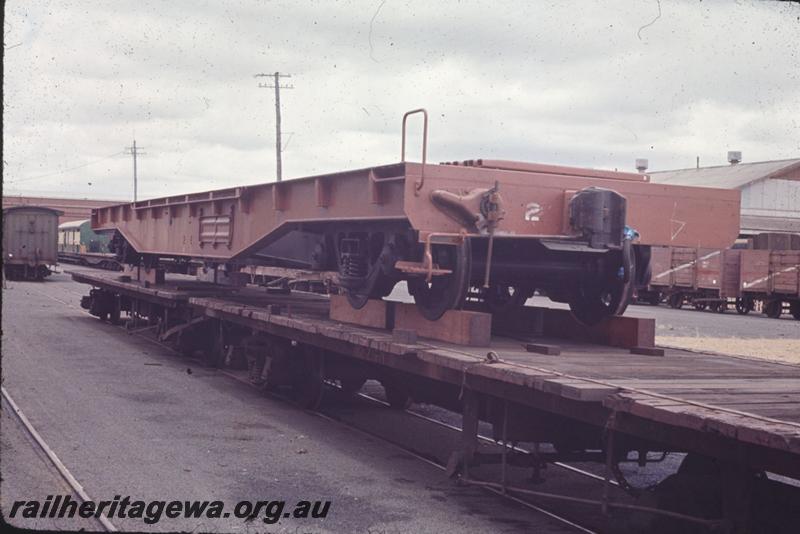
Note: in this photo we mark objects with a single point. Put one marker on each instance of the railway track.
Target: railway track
(513, 494)
(519, 491)
(499, 492)
(65, 474)
(146, 333)
(573, 524)
(569, 522)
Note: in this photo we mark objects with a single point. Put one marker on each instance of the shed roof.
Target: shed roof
(32, 208)
(72, 224)
(726, 176)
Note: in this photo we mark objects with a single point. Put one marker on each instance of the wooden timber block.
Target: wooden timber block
(540, 348)
(221, 277)
(374, 314)
(455, 326)
(618, 331)
(152, 276)
(647, 351)
(404, 335)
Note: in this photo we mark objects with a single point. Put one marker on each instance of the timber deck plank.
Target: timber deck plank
(743, 399)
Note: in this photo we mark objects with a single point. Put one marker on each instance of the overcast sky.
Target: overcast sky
(593, 84)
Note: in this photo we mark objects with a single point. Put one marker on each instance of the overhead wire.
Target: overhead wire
(64, 171)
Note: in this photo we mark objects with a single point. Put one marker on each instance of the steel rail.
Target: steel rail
(51, 455)
(711, 523)
(375, 400)
(499, 489)
(411, 452)
(441, 467)
(416, 455)
(379, 401)
(487, 439)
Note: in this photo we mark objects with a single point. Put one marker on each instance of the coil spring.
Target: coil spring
(353, 265)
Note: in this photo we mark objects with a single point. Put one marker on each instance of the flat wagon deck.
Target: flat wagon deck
(592, 401)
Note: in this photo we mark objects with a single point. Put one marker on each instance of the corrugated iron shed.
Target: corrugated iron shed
(730, 176)
(770, 191)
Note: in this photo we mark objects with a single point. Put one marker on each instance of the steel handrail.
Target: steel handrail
(421, 181)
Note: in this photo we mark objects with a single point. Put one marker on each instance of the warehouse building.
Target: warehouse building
(770, 190)
(73, 209)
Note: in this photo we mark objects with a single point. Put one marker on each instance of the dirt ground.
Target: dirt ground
(785, 350)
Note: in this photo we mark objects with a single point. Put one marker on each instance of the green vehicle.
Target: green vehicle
(78, 243)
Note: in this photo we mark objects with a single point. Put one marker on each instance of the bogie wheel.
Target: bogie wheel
(743, 306)
(794, 308)
(675, 301)
(381, 286)
(444, 292)
(215, 351)
(597, 300)
(367, 270)
(185, 343)
(115, 316)
(773, 309)
(308, 378)
(720, 307)
(699, 306)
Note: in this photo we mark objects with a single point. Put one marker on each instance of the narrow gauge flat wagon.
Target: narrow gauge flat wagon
(602, 393)
(79, 244)
(507, 228)
(29, 242)
(708, 278)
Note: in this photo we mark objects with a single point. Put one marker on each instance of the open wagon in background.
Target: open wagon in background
(773, 278)
(749, 278)
(30, 242)
(701, 277)
(500, 228)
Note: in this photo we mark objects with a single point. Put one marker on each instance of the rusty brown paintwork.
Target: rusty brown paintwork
(662, 214)
(771, 272)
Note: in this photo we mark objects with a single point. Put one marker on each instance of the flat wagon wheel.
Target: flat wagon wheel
(308, 376)
(444, 292)
(215, 350)
(773, 309)
(115, 315)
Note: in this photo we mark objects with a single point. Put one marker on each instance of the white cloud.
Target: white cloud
(578, 83)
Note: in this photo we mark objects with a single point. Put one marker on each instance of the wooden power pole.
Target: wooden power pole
(277, 86)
